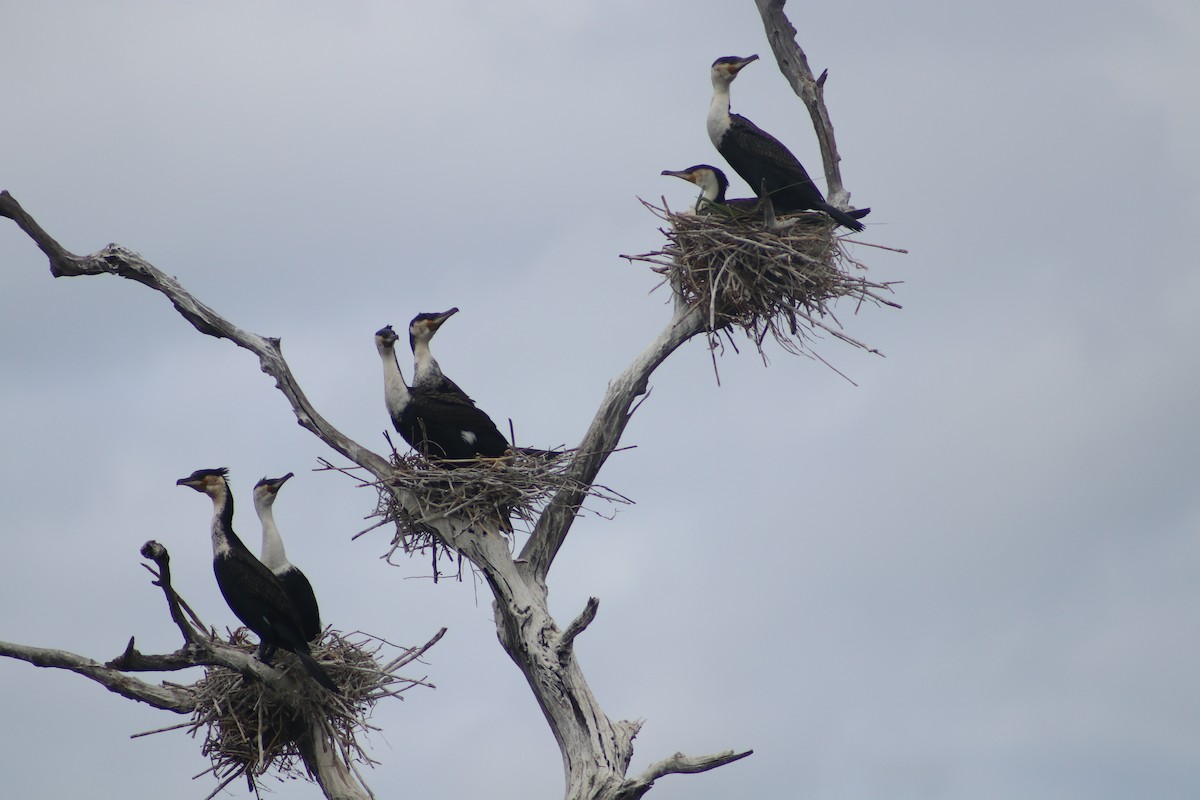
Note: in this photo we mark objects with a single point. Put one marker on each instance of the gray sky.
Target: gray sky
(974, 575)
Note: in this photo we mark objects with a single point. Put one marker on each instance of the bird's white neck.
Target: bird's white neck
(718, 112)
(425, 366)
(220, 538)
(395, 391)
(273, 554)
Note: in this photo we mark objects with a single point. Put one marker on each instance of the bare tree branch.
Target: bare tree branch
(596, 751)
(116, 260)
(793, 63)
(159, 555)
(578, 625)
(165, 697)
(602, 437)
(677, 764)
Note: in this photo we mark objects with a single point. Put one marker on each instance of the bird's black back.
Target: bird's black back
(434, 424)
(761, 159)
(304, 601)
(259, 600)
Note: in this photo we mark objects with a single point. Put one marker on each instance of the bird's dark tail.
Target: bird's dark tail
(846, 219)
(315, 669)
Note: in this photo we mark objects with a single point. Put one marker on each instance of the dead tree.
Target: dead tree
(596, 750)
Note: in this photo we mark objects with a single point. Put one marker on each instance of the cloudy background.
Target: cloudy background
(973, 575)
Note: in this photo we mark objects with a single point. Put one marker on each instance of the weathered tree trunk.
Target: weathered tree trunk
(596, 751)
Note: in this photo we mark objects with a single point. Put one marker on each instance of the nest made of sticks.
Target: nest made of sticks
(250, 727)
(489, 492)
(778, 279)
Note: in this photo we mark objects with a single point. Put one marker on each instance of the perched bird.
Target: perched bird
(713, 185)
(294, 581)
(761, 160)
(427, 374)
(252, 591)
(440, 425)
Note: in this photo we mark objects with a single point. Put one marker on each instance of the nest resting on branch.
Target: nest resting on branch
(250, 727)
(487, 492)
(765, 279)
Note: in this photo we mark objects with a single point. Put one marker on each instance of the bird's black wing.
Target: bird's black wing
(762, 160)
(448, 426)
(304, 600)
(259, 600)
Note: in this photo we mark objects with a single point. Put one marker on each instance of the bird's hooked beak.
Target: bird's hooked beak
(386, 335)
(738, 66)
(273, 485)
(686, 174)
(434, 321)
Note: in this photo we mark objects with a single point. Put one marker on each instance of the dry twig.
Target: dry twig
(779, 281)
(489, 493)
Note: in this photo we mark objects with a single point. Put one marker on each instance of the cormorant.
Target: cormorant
(427, 374)
(439, 425)
(294, 581)
(761, 160)
(252, 591)
(713, 185)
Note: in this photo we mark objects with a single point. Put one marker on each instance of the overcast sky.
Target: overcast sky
(973, 575)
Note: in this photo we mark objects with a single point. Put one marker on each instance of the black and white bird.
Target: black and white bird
(427, 373)
(295, 583)
(762, 161)
(252, 591)
(443, 426)
(713, 185)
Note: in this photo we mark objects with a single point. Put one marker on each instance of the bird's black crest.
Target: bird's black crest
(732, 59)
(274, 481)
(440, 315)
(204, 473)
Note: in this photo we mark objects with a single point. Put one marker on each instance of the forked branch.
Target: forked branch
(602, 438)
(678, 764)
(793, 63)
(116, 260)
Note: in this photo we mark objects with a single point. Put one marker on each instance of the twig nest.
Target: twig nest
(778, 279)
(250, 727)
(490, 493)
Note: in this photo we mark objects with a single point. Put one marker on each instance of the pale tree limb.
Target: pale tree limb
(793, 63)
(116, 260)
(330, 767)
(169, 698)
(596, 751)
(602, 437)
(678, 764)
(577, 626)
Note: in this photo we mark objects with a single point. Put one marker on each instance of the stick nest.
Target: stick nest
(490, 493)
(778, 280)
(250, 727)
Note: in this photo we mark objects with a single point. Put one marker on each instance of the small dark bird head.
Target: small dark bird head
(726, 68)
(385, 338)
(209, 481)
(712, 181)
(267, 488)
(424, 326)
